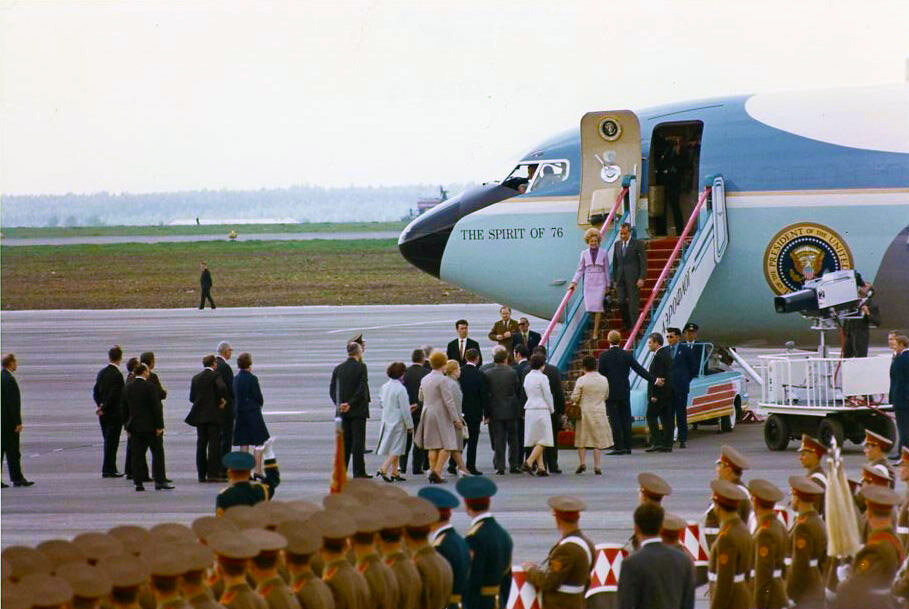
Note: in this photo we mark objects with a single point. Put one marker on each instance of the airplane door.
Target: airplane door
(720, 223)
(610, 149)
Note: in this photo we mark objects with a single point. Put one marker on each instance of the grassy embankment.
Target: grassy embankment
(247, 273)
(29, 232)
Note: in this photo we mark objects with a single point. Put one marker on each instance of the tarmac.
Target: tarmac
(294, 350)
(102, 240)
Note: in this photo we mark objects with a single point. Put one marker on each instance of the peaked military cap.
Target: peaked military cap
(765, 490)
(394, 515)
(171, 532)
(880, 499)
(207, 525)
(357, 338)
(244, 516)
(653, 486)
(25, 561)
(361, 488)
(15, 596)
(566, 503)
(47, 590)
(691, 326)
(476, 487)
(273, 513)
(367, 521)
(673, 524)
(198, 557)
(727, 494)
(305, 507)
(422, 512)
(86, 581)
(341, 502)
(96, 546)
(805, 487)
(440, 497)
(878, 439)
(167, 564)
(125, 571)
(266, 541)
(812, 445)
(131, 536)
(393, 492)
(238, 460)
(876, 474)
(61, 551)
(337, 525)
(302, 539)
(235, 545)
(733, 459)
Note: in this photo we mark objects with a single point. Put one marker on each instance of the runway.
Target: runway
(102, 240)
(294, 350)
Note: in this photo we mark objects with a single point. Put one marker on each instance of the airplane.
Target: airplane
(786, 186)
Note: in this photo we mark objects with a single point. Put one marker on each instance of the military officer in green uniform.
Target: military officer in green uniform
(263, 568)
(489, 581)
(435, 572)
(348, 586)
(811, 454)
(867, 581)
(877, 447)
(233, 551)
(447, 541)
(732, 553)
(242, 491)
(193, 584)
(807, 546)
(383, 586)
(729, 467)
(91, 585)
(410, 586)
(303, 542)
(769, 546)
(564, 580)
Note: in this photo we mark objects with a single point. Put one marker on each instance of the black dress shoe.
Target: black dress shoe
(628, 451)
(164, 487)
(112, 475)
(500, 472)
(665, 449)
(555, 471)
(683, 445)
(452, 468)
(4, 485)
(652, 449)
(23, 482)
(515, 470)
(616, 451)
(474, 471)
(363, 476)
(139, 488)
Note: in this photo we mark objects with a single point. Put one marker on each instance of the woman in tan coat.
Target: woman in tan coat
(590, 393)
(436, 430)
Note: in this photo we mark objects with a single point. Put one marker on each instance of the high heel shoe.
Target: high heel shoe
(598, 472)
(384, 475)
(581, 469)
(542, 473)
(526, 468)
(398, 478)
(435, 478)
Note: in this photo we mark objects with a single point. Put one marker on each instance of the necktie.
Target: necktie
(675, 349)
(624, 244)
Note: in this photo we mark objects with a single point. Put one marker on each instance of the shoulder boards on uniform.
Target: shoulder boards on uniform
(266, 590)
(228, 597)
(264, 489)
(329, 573)
(224, 490)
(298, 585)
(472, 530)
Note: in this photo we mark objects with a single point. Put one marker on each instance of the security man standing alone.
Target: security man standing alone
(205, 283)
(12, 421)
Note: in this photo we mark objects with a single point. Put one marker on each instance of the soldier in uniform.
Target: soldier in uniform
(241, 491)
(807, 546)
(383, 586)
(128, 574)
(264, 569)
(564, 581)
(489, 581)
(811, 454)
(902, 521)
(410, 586)
(47, 591)
(447, 541)
(14, 596)
(671, 533)
(732, 552)
(166, 568)
(193, 585)
(303, 541)
(877, 447)
(348, 586)
(435, 572)
(867, 581)
(729, 467)
(91, 585)
(233, 551)
(770, 543)
(652, 489)
(872, 475)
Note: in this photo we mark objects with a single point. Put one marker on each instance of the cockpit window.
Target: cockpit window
(538, 175)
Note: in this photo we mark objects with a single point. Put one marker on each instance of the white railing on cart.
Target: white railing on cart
(803, 380)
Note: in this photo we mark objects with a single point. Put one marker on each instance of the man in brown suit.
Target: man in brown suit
(567, 574)
(769, 546)
(729, 467)
(807, 546)
(264, 570)
(435, 572)
(503, 331)
(303, 542)
(868, 580)
(732, 552)
(410, 586)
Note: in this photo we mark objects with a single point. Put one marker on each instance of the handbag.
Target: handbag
(573, 410)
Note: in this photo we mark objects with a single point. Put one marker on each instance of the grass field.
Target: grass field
(28, 232)
(248, 273)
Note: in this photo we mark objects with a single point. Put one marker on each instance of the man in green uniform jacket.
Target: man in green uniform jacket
(242, 491)
(490, 548)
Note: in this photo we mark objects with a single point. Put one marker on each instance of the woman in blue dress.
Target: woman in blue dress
(250, 429)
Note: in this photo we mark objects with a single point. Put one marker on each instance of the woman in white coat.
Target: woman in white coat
(397, 422)
(537, 414)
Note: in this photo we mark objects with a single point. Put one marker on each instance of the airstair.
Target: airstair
(678, 269)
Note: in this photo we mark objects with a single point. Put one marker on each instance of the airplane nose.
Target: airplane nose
(423, 242)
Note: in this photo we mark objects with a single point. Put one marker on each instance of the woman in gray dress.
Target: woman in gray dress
(396, 422)
(453, 373)
(436, 430)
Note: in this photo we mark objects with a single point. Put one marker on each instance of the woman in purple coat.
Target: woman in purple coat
(594, 268)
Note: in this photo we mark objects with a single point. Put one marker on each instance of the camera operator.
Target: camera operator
(856, 329)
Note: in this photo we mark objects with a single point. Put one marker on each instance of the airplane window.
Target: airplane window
(551, 173)
(536, 176)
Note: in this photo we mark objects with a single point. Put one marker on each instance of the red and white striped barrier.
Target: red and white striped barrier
(694, 541)
(607, 564)
(522, 595)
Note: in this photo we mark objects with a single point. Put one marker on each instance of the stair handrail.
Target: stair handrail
(665, 273)
(620, 199)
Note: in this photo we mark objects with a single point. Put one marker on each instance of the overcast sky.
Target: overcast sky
(155, 96)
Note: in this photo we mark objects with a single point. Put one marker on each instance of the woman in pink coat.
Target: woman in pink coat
(594, 268)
